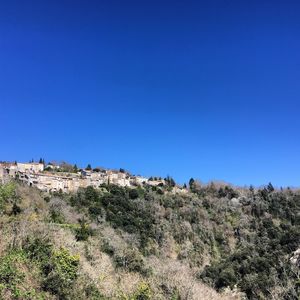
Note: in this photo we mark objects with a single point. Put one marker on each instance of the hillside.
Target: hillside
(148, 242)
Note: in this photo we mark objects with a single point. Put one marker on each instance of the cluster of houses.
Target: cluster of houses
(34, 174)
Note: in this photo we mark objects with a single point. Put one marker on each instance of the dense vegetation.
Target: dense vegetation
(149, 243)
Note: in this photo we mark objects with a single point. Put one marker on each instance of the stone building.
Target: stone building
(30, 167)
(34, 174)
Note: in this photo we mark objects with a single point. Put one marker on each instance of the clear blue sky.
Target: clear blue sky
(203, 89)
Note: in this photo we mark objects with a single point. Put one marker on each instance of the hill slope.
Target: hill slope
(149, 243)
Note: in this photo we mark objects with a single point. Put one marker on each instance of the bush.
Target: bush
(63, 270)
(7, 192)
(10, 274)
(56, 216)
(59, 268)
(84, 231)
(91, 292)
(107, 248)
(95, 211)
(133, 194)
(226, 278)
(16, 209)
(132, 261)
(39, 250)
(143, 292)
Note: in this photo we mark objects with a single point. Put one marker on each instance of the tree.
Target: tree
(66, 167)
(170, 181)
(75, 168)
(133, 194)
(88, 167)
(16, 209)
(270, 187)
(42, 161)
(84, 231)
(192, 184)
(251, 189)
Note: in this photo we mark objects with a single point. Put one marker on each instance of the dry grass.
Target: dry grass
(174, 274)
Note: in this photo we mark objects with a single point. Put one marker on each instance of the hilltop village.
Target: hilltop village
(55, 177)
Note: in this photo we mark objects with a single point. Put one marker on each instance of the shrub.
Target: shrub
(226, 278)
(143, 292)
(160, 191)
(95, 211)
(56, 216)
(16, 209)
(91, 292)
(84, 231)
(39, 250)
(10, 274)
(133, 194)
(107, 248)
(14, 275)
(132, 261)
(59, 269)
(63, 269)
(7, 192)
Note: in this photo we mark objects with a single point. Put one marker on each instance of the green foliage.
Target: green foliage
(10, 274)
(47, 199)
(91, 292)
(143, 292)
(38, 250)
(133, 194)
(191, 184)
(84, 231)
(249, 266)
(204, 222)
(7, 192)
(170, 181)
(62, 272)
(16, 209)
(131, 260)
(107, 248)
(228, 192)
(56, 216)
(120, 209)
(95, 210)
(75, 168)
(247, 240)
(14, 271)
(59, 268)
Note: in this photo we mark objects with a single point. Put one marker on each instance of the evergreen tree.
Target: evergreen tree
(170, 181)
(192, 184)
(251, 188)
(270, 187)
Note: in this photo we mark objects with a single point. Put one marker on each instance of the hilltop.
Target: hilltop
(64, 177)
(149, 242)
